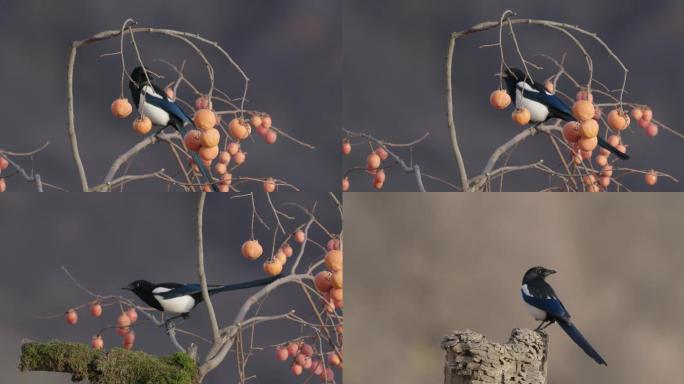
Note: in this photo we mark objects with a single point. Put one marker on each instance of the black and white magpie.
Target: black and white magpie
(542, 104)
(180, 299)
(545, 306)
(153, 102)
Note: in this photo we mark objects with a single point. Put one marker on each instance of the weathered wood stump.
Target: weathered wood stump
(472, 359)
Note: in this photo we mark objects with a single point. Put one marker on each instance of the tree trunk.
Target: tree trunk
(116, 366)
(472, 359)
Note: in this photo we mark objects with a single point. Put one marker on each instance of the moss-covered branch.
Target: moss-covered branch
(113, 367)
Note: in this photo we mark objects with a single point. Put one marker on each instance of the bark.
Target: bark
(113, 367)
(472, 359)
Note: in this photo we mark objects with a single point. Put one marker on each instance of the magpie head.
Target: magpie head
(139, 286)
(514, 74)
(537, 273)
(138, 75)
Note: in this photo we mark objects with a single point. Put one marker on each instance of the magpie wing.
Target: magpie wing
(183, 290)
(169, 106)
(555, 104)
(551, 305)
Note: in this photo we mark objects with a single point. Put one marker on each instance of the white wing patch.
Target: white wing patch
(157, 115)
(538, 111)
(181, 304)
(525, 290)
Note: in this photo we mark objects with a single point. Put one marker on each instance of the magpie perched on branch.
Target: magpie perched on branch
(180, 299)
(545, 306)
(162, 111)
(542, 104)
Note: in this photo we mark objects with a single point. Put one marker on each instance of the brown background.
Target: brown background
(424, 265)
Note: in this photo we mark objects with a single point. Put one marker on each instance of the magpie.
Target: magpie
(153, 102)
(542, 104)
(545, 306)
(180, 299)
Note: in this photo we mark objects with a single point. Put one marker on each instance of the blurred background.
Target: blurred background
(291, 51)
(394, 80)
(425, 265)
(107, 242)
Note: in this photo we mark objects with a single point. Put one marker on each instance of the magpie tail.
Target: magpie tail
(248, 284)
(613, 150)
(577, 337)
(198, 160)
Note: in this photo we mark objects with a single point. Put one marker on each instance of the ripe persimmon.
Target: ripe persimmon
(204, 119)
(333, 260)
(583, 110)
(203, 102)
(587, 143)
(299, 236)
(346, 147)
(121, 108)
(3, 163)
(281, 354)
(571, 131)
(500, 99)
(382, 153)
(232, 148)
(208, 153)
(297, 369)
(269, 185)
(240, 157)
(266, 122)
(345, 184)
(617, 120)
(637, 113)
(647, 114)
(210, 137)
(589, 128)
(521, 116)
(601, 160)
(238, 129)
(129, 340)
(255, 120)
(337, 279)
(71, 316)
(651, 130)
(97, 342)
(271, 136)
(251, 249)
(373, 161)
(323, 281)
(142, 125)
(272, 267)
(548, 85)
(192, 139)
(96, 309)
(651, 177)
(132, 314)
(220, 168)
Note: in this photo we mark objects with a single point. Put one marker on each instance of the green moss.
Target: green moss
(114, 367)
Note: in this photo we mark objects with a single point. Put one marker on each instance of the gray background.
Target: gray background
(394, 79)
(108, 241)
(425, 265)
(290, 50)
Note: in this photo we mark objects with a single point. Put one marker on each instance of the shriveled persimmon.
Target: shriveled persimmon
(210, 137)
(333, 260)
(272, 267)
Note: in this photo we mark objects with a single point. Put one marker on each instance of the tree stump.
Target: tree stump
(472, 359)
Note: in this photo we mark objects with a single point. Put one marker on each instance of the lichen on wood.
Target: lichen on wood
(472, 359)
(111, 367)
